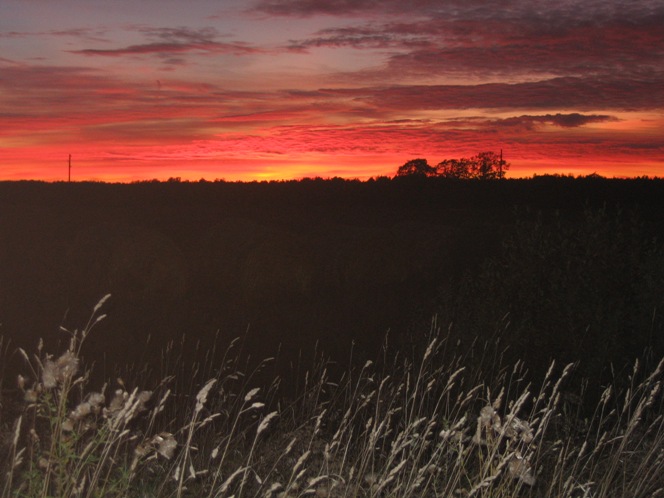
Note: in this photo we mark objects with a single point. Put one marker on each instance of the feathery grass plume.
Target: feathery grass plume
(185, 457)
(262, 427)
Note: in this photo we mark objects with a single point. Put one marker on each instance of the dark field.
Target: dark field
(294, 263)
(540, 376)
(331, 263)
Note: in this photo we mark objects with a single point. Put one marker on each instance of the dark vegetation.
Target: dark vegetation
(550, 267)
(540, 376)
(483, 166)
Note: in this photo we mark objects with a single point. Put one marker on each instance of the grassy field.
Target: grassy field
(539, 375)
(437, 423)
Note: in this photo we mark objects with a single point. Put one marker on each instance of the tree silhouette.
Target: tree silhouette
(458, 169)
(488, 166)
(416, 167)
(483, 166)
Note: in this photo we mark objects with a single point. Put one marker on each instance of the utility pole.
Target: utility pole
(500, 168)
(69, 178)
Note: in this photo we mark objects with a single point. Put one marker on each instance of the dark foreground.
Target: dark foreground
(553, 267)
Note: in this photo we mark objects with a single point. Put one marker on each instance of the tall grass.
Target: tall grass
(438, 423)
(576, 285)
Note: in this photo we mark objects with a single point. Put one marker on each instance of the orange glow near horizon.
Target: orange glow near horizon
(247, 171)
(88, 165)
(295, 152)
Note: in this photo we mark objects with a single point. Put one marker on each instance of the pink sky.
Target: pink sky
(281, 89)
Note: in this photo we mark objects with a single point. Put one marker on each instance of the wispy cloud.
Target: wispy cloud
(590, 93)
(369, 36)
(166, 42)
(571, 120)
(313, 7)
(83, 35)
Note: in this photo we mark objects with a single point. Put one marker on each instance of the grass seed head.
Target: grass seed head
(250, 395)
(266, 422)
(202, 395)
(520, 468)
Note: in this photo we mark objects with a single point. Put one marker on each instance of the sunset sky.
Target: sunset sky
(281, 89)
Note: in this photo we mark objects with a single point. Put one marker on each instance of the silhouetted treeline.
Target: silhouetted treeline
(483, 166)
